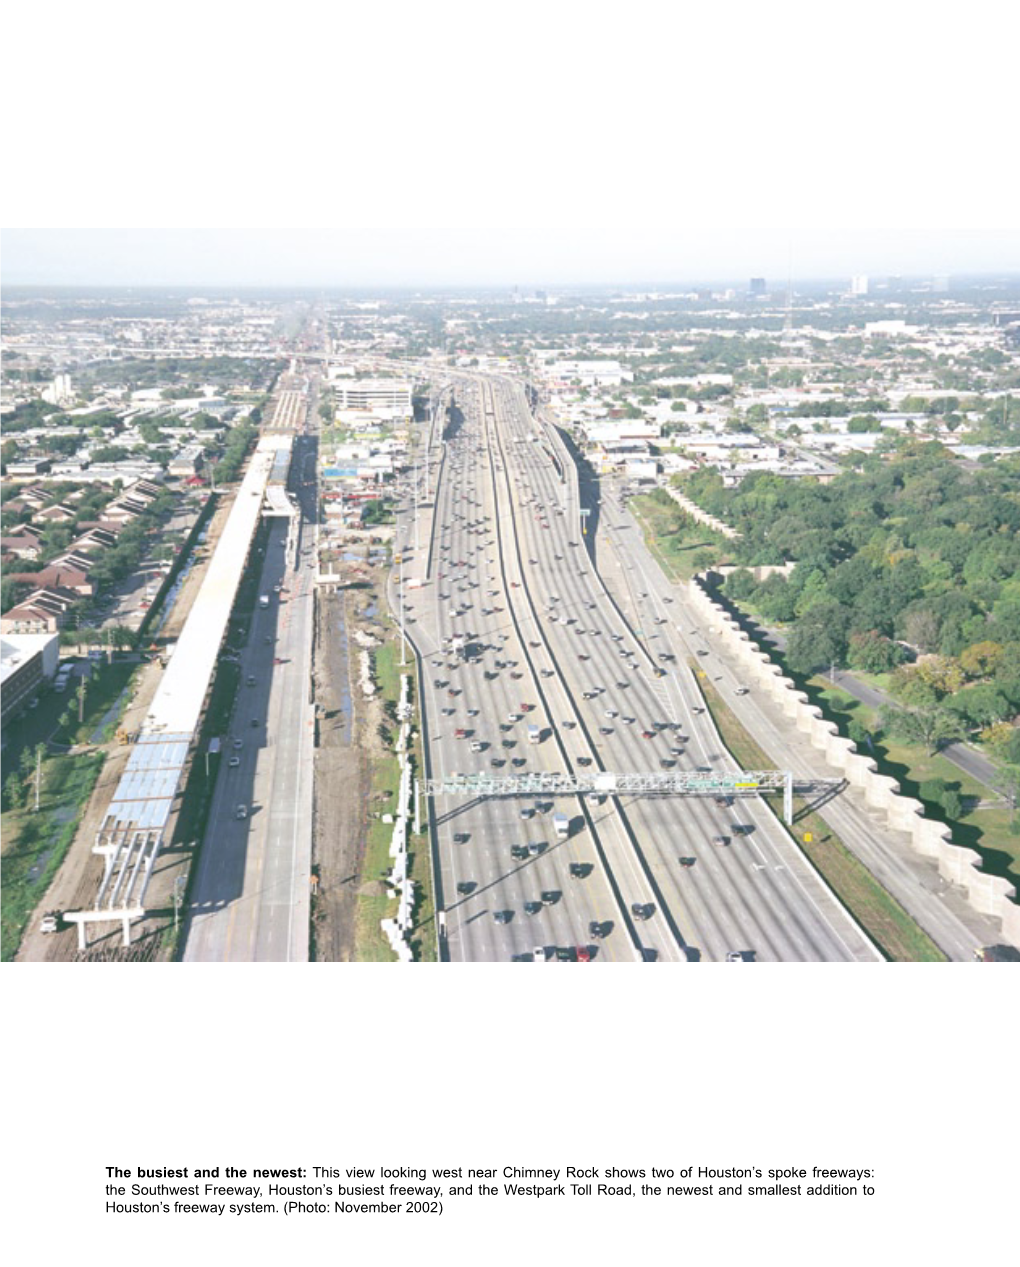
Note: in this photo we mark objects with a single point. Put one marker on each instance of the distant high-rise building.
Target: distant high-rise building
(59, 391)
(757, 286)
(859, 284)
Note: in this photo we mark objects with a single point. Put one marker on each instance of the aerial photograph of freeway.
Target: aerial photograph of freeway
(518, 623)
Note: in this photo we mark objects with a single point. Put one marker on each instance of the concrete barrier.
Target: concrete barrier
(988, 894)
(702, 516)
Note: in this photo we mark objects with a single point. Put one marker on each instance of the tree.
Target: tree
(14, 791)
(740, 585)
(933, 790)
(997, 737)
(952, 805)
(818, 639)
(942, 673)
(874, 653)
(776, 599)
(921, 628)
(931, 726)
(912, 690)
(981, 658)
(982, 705)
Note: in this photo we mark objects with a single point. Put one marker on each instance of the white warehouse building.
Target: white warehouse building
(388, 398)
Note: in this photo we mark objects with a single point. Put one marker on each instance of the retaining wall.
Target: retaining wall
(695, 511)
(988, 894)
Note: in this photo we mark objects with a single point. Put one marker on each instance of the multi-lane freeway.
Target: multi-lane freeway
(528, 665)
(250, 897)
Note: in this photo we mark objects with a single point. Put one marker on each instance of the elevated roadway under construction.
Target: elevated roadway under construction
(132, 830)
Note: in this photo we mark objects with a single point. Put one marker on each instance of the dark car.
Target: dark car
(584, 761)
(595, 928)
(687, 862)
(642, 910)
(502, 917)
(465, 886)
(518, 851)
(550, 897)
(566, 954)
(532, 908)
(461, 837)
(578, 870)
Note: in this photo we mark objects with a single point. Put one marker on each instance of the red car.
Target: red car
(583, 954)
(459, 734)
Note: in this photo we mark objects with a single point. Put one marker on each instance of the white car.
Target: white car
(242, 811)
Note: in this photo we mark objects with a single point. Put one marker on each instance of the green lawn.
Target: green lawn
(370, 944)
(878, 912)
(419, 868)
(986, 829)
(674, 539)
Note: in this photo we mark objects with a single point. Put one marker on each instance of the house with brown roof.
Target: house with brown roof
(58, 513)
(26, 533)
(33, 496)
(44, 611)
(59, 576)
(20, 546)
(101, 538)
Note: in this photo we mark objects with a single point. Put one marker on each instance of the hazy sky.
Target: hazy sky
(528, 257)
(744, 139)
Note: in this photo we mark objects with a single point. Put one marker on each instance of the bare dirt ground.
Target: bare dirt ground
(75, 885)
(348, 740)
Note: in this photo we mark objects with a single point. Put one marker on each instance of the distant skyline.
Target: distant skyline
(458, 257)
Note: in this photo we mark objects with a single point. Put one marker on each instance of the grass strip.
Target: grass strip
(889, 926)
(37, 843)
(673, 538)
(423, 945)
(374, 904)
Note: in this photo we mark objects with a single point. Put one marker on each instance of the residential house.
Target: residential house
(59, 575)
(58, 513)
(43, 611)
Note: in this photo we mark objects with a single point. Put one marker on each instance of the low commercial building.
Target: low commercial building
(383, 398)
(608, 433)
(27, 663)
(188, 462)
(589, 373)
